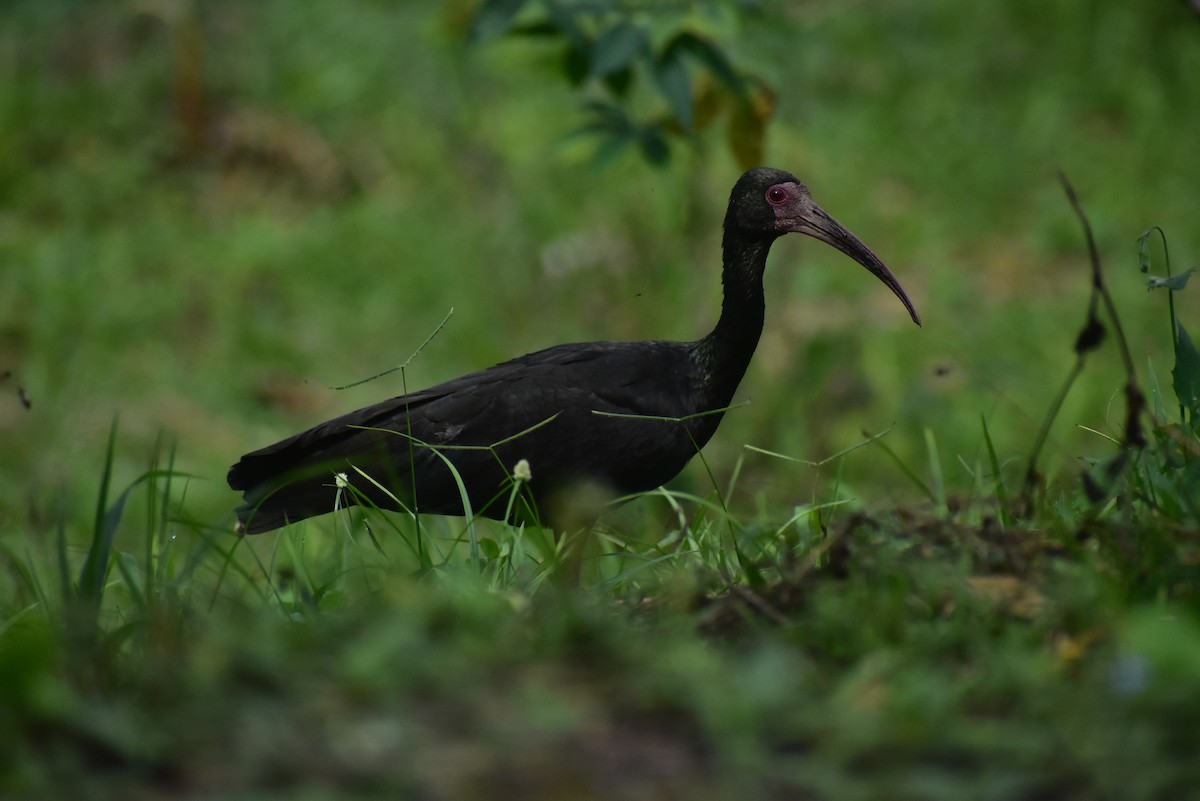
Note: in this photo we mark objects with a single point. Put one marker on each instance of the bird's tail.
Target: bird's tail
(273, 496)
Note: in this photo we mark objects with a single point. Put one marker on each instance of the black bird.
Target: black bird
(571, 412)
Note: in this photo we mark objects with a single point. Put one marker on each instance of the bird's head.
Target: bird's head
(769, 203)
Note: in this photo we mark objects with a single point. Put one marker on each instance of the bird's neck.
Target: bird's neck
(723, 355)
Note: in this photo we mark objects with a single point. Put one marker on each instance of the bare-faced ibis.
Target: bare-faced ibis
(625, 415)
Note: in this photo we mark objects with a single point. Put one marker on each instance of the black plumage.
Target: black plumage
(625, 415)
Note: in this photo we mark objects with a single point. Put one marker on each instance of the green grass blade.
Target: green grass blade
(998, 488)
(908, 472)
(95, 567)
(935, 472)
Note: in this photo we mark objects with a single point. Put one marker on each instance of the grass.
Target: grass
(934, 656)
(811, 611)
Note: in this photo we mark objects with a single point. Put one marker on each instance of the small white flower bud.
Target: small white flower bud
(522, 472)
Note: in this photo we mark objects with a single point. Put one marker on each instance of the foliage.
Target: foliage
(611, 47)
(1168, 479)
(936, 657)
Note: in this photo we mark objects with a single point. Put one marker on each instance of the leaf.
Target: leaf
(535, 29)
(576, 64)
(1186, 373)
(709, 102)
(611, 146)
(490, 548)
(707, 53)
(748, 127)
(606, 118)
(619, 82)
(616, 48)
(1172, 282)
(671, 74)
(654, 145)
(564, 17)
(612, 125)
(494, 18)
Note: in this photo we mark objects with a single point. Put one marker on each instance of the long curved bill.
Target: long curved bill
(823, 227)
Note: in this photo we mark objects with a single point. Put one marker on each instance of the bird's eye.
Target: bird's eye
(776, 195)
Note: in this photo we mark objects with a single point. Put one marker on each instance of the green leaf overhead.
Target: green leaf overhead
(494, 18)
(616, 48)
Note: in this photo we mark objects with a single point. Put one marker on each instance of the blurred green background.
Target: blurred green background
(211, 213)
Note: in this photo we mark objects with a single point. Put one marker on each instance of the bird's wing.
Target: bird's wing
(354, 433)
(541, 406)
